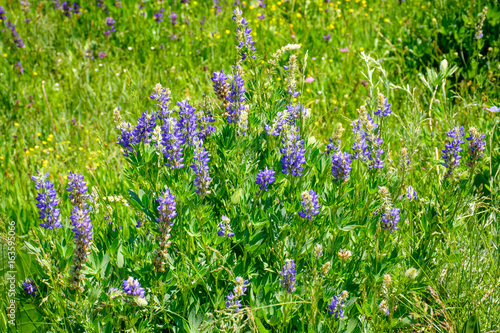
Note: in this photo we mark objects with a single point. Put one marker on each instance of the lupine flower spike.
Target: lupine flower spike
(225, 227)
(29, 287)
(451, 153)
(47, 202)
(310, 204)
(166, 212)
(265, 178)
(234, 298)
(288, 275)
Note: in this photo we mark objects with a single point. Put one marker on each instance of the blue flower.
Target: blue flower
(233, 299)
(77, 189)
(337, 305)
(82, 227)
(288, 275)
(411, 193)
(172, 142)
(341, 166)
(390, 219)
(126, 138)
(29, 286)
(310, 204)
(47, 202)
(367, 142)
(145, 126)
(187, 123)
(132, 287)
(221, 87)
(236, 97)
(166, 212)
(225, 227)
(243, 35)
(265, 178)
(384, 108)
(451, 153)
(200, 168)
(476, 146)
(293, 154)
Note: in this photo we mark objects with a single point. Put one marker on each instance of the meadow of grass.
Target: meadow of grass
(436, 62)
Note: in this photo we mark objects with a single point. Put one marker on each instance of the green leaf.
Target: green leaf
(472, 325)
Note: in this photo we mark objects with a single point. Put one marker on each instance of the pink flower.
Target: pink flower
(309, 79)
(346, 49)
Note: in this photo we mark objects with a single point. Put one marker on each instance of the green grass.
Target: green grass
(450, 235)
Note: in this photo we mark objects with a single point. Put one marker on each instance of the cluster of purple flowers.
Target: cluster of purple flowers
(336, 307)
(265, 178)
(159, 16)
(17, 40)
(111, 24)
(20, 66)
(341, 166)
(100, 4)
(310, 204)
(384, 109)
(293, 154)
(233, 299)
(225, 227)
(476, 146)
(236, 97)
(187, 122)
(82, 226)
(172, 142)
(29, 287)
(126, 138)
(166, 212)
(243, 35)
(47, 202)
(77, 189)
(70, 9)
(145, 126)
(390, 219)
(217, 6)
(368, 143)
(411, 193)
(205, 121)
(132, 287)
(200, 168)
(451, 153)
(221, 87)
(173, 18)
(288, 275)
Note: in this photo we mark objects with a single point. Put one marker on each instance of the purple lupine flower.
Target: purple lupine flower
(3, 17)
(159, 16)
(476, 146)
(166, 212)
(265, 178)
(336, 307)
(102, 54)
(239, 290)
(100, 4)
(327, 37)
(29, 287)
(331, 146)
(188, 124)
(293, 154)
(173, 18)
(172, 141)
(166, 207)
(200, 168)
(279, 122)
(77, 189)
(162, 95)
(383, 307)
(217, 7)
(225, 227)
(19, 42)
(385, 110)
(262, 4)
(341, 166)
(288, 275)
(390, 219)
(452, 149)
(368, 142)
(221, 87)
(82, 227)
(493, 108)
(47, 202)
(111, 24)
(243, 35)
(295, 113)
(132, 287)
(310, 204)
(205, 126)
(236, 98)
(126, 138)
(261, 17)
(411, 193)
(145, 126)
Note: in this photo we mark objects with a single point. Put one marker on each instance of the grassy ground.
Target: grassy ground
(57, 116)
